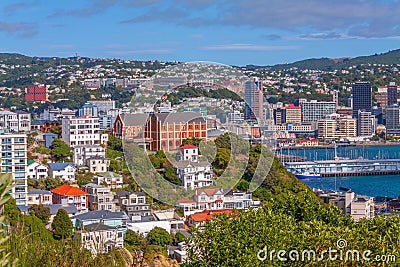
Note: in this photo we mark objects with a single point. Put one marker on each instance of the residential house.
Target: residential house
(43, 126)
(113, 219)
(144, 227)
(9, 120)
(69, 208)
(193, 173)
(357, 206)
(82, 153)
(66, 194)
(37, 170)
(112, 179)
(100, 238)
(134, 204)
(97, 164)
(100, 197)
(24, 121)
(39, 197)
(217, 199)
(202, 217)
(62, 170)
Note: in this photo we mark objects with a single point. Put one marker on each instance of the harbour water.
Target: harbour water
(379, 185)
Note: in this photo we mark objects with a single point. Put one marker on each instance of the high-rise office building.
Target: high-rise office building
(314, 111)
(365, 123)
(14, 160)
(393, 120)
(362, 97)
(253, 93)
(391, 94)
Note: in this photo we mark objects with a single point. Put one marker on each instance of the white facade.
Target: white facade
(112, 179)
(14, 160)
(97, 164)
(37, 170)
(100, 238)
(82, 131)
(195, 174)
(66, 174)
(39, 197)
(9, 120)
(216, 199)
(82, 153)
(24, 121)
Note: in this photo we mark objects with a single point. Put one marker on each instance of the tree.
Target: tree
(179, 237)
(171, 176)
(55, 130)
(62, 225)
(134, 240)
(159, 236)
(42, 212)
(60, 151)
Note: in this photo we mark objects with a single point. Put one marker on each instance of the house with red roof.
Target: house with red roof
(202, 217)
(67, 194)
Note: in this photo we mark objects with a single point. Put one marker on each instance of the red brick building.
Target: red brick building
(161, 131)
(36, 93)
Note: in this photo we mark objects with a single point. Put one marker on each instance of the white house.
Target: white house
(216, 199)
(62, 170)
(97, 164)
(101, 238)
(39, 197)
(82, 153)
(193, 173)
(37, 170)
(145, 227)
(112, 179)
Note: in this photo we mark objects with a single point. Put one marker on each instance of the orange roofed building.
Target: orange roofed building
(67, 194)
(201, 218)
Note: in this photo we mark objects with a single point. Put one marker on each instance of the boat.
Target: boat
(308, 175)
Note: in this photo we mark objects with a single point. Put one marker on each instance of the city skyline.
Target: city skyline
(228, 32)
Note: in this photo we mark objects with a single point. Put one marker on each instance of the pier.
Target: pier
(346, 167)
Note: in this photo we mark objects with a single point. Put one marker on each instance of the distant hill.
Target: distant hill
(391, 57)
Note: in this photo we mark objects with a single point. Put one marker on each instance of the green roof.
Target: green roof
(30, 161)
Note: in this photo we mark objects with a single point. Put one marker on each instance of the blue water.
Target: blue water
(377, 185)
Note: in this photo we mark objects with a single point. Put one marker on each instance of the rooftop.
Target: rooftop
(101, 215)
(67, 190)
(38, 191)
(59, 166)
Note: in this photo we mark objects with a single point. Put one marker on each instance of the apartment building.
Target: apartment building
(82, 131)
(134, 204)
(82, 153)
(14, 160)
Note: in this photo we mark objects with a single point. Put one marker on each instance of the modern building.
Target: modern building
(393, 120)
(82, 131)
(14, 160)
(36, 92)
(293, 114)
(362, 97)
(365, 123)
(67, 194)
(100, 197)
(332, 128)
(392, 94)
(314, 111)
(88, 109)
(103, 106)
(254, 100)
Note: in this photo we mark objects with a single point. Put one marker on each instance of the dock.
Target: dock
(346, 167)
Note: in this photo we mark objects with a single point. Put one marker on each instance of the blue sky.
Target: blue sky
(235, 32)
